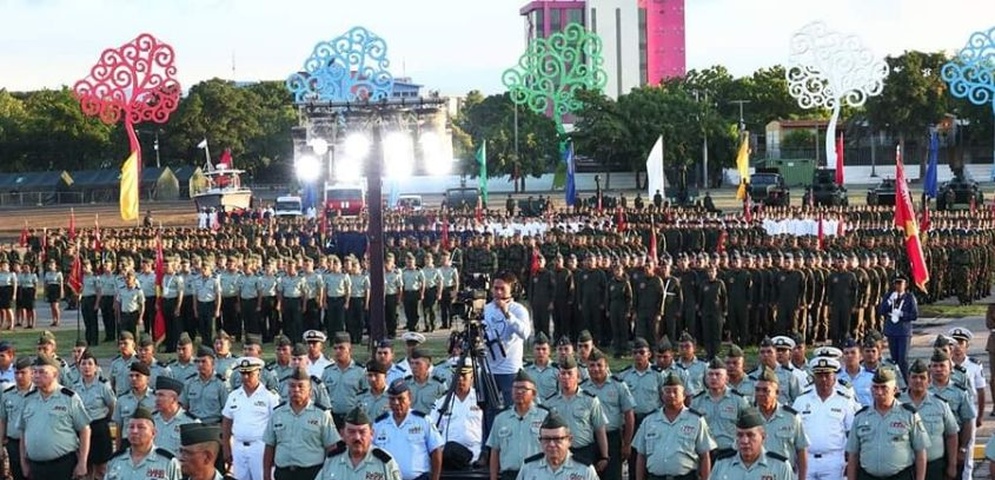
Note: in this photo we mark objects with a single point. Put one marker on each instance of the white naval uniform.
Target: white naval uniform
(976, 381)
(317, 367)
(827, 423)
(463, 423)
(249, 416)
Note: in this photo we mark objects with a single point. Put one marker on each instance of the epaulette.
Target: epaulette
(551, 396)
(67, 392)
(941, 398)
(700, 394)
(962, 387)
(408, 377)
(32, 392)
(789, 410)
(437, 379)
(543, 407)
(806, 392)
(844, 382)
(382, 417)
(777, 456)
(442, 363)
(172, 361)
(118, 453)
(589, 394)
(788, 368)
(695, 412)
(279, 405)
(728, 453)
(418, 414)
(842, 393)
(188, 414)
(363, 391)
(582, 460)
(910, 407)
(116, 357)
(9, 388)
(315, 380)
(960, 368)
(736, 392)
(102, 379)
(284, 379)
(339, 448)
(613, 377)
(320, 407)
(270, 365)
(165, 453)
(219, 377)
(973, 360)
(381, 455)
(866, 407)
(657, 368)
(191, 376)
(534, 458)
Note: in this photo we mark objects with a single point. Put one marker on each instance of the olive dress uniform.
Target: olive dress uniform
(769, 465)
(132, 303)
(392, 290)
(673, 447)
(785, 433)
(344, 386)
(619, 306)
(293, 295)
(205, 398)
(49, 429)
(299, 440)
(11, 404)
(583, 414)
(413, 282)
(887, 443)
(120, 369)
(516, 437)
(167, 432)
(616, 400)
(158, 463)
(537, 468)
(376, 464)
(939, 422)
(721, 414)
(337, 287)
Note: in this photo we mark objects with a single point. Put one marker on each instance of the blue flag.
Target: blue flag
(571, 190)
(929, 187)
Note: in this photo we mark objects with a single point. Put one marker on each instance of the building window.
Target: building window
(540, 24)
(554, 20)
(594, 20)
(576, 15)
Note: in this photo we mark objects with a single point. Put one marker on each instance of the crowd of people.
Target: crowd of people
(625, 283)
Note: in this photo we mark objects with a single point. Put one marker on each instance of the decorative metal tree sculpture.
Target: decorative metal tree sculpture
(351, 67)
(553, 69)
(971, 74)
(827, 69)
(135, 83)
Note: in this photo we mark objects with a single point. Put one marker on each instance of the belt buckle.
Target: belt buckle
(246, 444)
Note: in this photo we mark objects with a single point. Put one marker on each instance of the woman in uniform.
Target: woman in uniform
(54, 290)
(99, 401)
(27, 285)
(8, 295)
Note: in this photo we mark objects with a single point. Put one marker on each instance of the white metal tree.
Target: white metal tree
(827, 69)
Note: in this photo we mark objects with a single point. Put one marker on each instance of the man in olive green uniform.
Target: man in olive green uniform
(644, 381)
(750, 460)
(425, 387)
(591, 285)
(343, 379)
(785, 434)
(292, 294)
(739, 284)
(788, 290)
(121, 364)
(54, 427)
(183, 365)
(205, 392)
(200, 447)
(13, 399)
(543, 371)
(584, 415)
(841, 291)
(673, 441)
(888, 437)
(720, 405)
(557, 459)
(513, 435)
(140, 395)
(957, 397)
(713, 307)
(691, 367)
(938, 420)
(542, 289)
(298, 433)
(355, 456)
(650, 296)
(169, 414)
(412, 293)
(619, 307)
(143, 459)
(617, 404)
(374, 399)
(392, 291)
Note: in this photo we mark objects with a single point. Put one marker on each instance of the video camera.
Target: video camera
(470, 300)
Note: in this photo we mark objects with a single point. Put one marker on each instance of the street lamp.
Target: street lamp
(597, 189)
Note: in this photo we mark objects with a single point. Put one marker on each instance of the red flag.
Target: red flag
(722, 241)
(747, 209)
(839, 159)
(653, 242)
(905, 219)
(534, 267)
(159, 324)
(23, 241)
(479, 211)
(75, 280)
(925, 217)
(822, 233)
(445, 233)
(599, 204)
(620, 223)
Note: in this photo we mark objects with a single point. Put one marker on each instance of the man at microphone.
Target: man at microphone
(899, 310)
(506, 328)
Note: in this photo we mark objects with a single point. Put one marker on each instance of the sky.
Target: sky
(448, 45)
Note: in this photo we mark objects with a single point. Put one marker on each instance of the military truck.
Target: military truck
(824, 190)
(958, 192)
(767, 187)
(883, 193)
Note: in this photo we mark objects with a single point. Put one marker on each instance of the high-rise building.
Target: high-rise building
(642, 40)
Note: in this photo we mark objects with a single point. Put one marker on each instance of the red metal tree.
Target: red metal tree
(135, 83)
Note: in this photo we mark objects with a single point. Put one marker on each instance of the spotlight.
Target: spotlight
(356, 146)
(399, 155)
(308, 168)
(319, 145)
(434, 155)
(347, 170)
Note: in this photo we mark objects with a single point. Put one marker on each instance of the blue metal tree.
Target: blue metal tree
(350, 67)
(971, 74)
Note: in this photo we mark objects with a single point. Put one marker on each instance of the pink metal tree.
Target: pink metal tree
(135, 83)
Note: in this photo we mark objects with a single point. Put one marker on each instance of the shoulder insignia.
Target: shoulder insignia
(116, 358)
(973, 360)
(656, 368)
(190, 415)
(613, 377)
(842, 393)
(408, 378)
(10, 388)
(729, 453)
(118, 454)
(736, 392)
(340, 448)
(165, 453)
(534, 458)
(789, 410)
(941, 398)
(542, 407)
(551, 396)
(66, 391)
(589, 394)
(910, 407)
(960, 386)
(777, 456)
(417, 413)
(863, 409)
(32, 393)
(172, 362)
(960, 368)
(320, 406)
(437, 379)
(102, 380)
(191, 376)
(279, 405)
(844, 382)
(695, 412)
(315, 380)
(700, 394)
(382, 417)
(626, 369)
(381, 455)
(219, 377)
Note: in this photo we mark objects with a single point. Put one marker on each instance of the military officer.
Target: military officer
(199, 451)
(335, 290)
(586, 416)
(146, 354)
(976, 383)
(541, 369)
(183, 365)
(99, 400)
(280, 366)
(425, 387)
(720, 405)
(408, 436)
(205, 392)
(618, 405)
(751, 460)
(169, 415)
(619, 306)
(140, 395)
(644, 381)
(343, 379)
(937, 418)
(298, 434)
(224, 361)
(129, 304)
(120, 364)
(888, 437)
(784, 433)
(692, 367)
(413, 291)
(557, 459)
(143, 459)
(674, 441)
(299, 359)
(957, 397)
(11, 402)
(826, 412)
(356, 456)
(787, 382)
(374, 399)
(317, 361)
(514, 435)
(737, 377)
(292, 294)
(244, 418)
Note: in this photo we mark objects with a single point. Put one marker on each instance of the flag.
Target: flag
(924, 224)
(620, 222)
(571, 190)
(23, 241)
(129, 188)
(75, 280)
(44, 246)
(654, 169)
(972, 205)
(482, 162)
(905, 219)
(445, 233)
(652, 252)
(98, 246)
(839, 159)
(203, 144)
(72, 223)
(534, 266)
(159, 323)
(599, 204)
(929, 185)
(226, 159)
(747, 209)
(743, 167)
(822, 233)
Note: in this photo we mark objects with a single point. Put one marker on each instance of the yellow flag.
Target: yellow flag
(743, 166)
(129, 188)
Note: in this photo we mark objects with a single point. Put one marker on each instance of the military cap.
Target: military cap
(341, 338)
(413, 337)
(249, 364)
(584, 336)
(553, 421)
(163, 382)
(223, 335)
(142, 413)
(282, 341)
(23, 362)
(140, 367)
(194, 433)
(918, 366)
(767, 375)
(828, 352)
(849, 342)
(419, 352)
(45, 360)
(397, 387)
(540, 339)
(939, 355)
(686, 337)
(564, 341)
(299, 374)
(716, 364)
(357, 416)
(640, 343)
(185, 339)
(960, 333)
(315, 336)
(204, 351)
(734, 352)
(568, 363)
(884, 375)
(942, 341)
(824, 365)
(80, 343)
(672, 379)
(46, 338)
(374, 366)
(466, 366)
(766, 342)
(299, 350)
(797, 338)
(523, 376)
(145, 341)
(750, 418)
(783, 341)
(898, 279)
(664, 345)
(6, 345)
(596, 355)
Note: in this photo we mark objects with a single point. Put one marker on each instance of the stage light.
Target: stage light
(399, 155)
(434, 155)
(308, 168)
(319, 145)
(356, 146)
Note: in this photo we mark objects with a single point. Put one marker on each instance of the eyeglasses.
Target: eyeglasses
(557, 440)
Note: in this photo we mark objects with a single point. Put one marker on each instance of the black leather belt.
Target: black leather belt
(295, 468)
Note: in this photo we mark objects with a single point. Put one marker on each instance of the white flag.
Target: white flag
(203, 144)
(654, 170)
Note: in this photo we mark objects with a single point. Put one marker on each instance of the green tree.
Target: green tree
(59, 136)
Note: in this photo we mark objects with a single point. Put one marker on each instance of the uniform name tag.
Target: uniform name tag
(155, 473)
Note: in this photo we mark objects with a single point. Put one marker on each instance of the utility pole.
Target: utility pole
(742, 123)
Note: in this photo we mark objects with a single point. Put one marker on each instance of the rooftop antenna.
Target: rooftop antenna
(233, 77)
